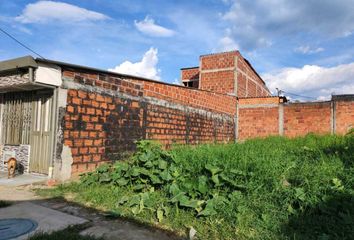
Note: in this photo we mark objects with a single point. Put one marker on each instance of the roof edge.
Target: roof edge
(17, 63)
(186, 68)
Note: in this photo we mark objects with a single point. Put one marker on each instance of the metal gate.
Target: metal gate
(26, 119)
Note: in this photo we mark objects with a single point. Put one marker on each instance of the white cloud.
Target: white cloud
(312, 80)
(149, 27)
(257, 23)
(308, 50)
(147, 67)
(226, 43)
(177, 82)
(45, 11)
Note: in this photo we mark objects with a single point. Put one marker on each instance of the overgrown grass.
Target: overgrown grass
(274, 188)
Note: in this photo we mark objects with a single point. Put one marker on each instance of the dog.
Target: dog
(11, 167)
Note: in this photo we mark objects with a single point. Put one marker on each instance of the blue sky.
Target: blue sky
(302, 47)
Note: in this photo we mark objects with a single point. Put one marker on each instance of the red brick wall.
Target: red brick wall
(217, 61)
(258, 122)
(217, 72)
(107, 113)
(190, 73)
(191, 97)
(221, 81)
(344, 112)
(258, 117)
(102, 125)
(249, 84)
(303, 118)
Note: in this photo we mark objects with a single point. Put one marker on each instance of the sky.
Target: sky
(304, 48)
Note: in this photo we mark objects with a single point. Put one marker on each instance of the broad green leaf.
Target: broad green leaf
(202, 184)
(137, 187)
(149, 164)
(123, 200)
(174, 189)
(122, 182)
(134, 200)
(165, 175)
(212, 169)
(159, 213)
(135, 210)
(135, 171)
(215, 179)
(155, 179)
(178, 197)
(209, 209)
(162, 164)
(121, 166)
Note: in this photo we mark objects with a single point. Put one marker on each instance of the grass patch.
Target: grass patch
(70, 233)
(274, 188)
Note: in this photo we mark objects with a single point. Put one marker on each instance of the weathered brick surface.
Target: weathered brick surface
(137, 87)
(249, 84)
(260, 100)
(190, 73)
(258, 122)
(303, 118)
(217, 72)
(191, 97)
(170, 126)
(344, 113)
(220, 81)
(230, 73)
(102, 127)
(217, 61)
(106, 113)
(99, 128)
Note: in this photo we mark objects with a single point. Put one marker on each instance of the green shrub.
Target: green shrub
(260, 189)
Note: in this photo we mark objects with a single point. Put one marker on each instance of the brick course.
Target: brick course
(227, 73)
(106, 114)
(344, 116)
(101, 126)
(304, 118)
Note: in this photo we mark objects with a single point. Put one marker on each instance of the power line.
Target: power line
(294, 94)
(22, 44)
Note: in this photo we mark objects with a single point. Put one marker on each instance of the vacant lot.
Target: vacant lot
(274, 188)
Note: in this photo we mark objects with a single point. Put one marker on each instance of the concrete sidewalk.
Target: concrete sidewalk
(48, 219)
(20, 180)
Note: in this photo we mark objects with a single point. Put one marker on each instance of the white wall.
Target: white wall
(48, 74)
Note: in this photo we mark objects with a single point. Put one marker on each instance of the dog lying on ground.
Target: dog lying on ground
(11, 167)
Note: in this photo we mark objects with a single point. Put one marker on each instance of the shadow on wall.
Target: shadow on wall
(331, 219)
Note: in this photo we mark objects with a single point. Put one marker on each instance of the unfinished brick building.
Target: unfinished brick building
(227, 73)
(62, 119)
